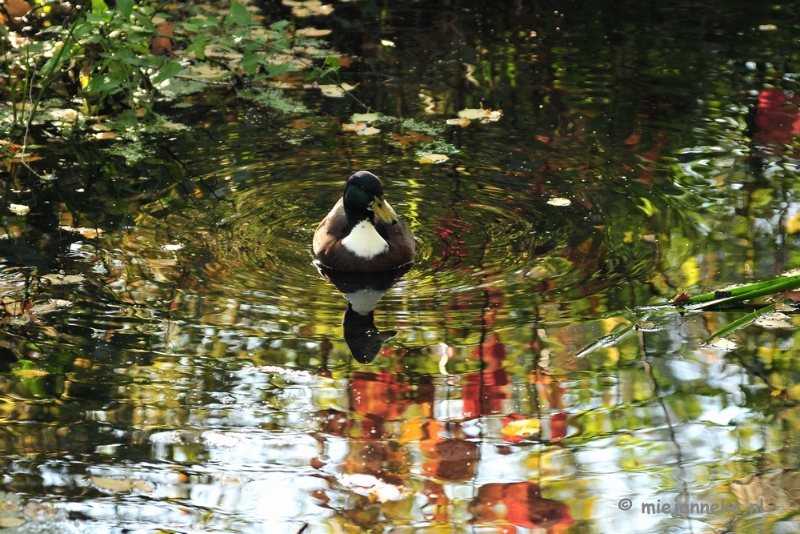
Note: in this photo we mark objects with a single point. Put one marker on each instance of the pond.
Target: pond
(173, 361)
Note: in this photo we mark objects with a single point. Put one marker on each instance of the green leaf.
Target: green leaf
(144, 20)
(99, 7)
(739, 323)
(249, 63)
(125, 8)
(277, 69)
(281, 24)
(82, 29)
(198, 47)
(104, 84)
(240, 14)
(167, 71)
(332, 62)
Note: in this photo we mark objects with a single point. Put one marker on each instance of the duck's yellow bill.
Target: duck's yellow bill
(384, 211)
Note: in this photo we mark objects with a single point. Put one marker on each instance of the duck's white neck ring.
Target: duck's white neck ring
(364, 241)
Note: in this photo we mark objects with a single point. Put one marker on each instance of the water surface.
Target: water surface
(193, 376)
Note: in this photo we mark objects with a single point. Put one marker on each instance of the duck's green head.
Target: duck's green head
(363, 194)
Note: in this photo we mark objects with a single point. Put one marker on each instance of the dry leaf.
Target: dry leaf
(332, 91)
(412, 137)
(365, 117)
(433, 158)
(354, 127)
(89, 233)
(19, 209)
(724, 344)
(312, 32)
(62, 279)
(774, 320)
(559, 201)
(16, 8)
(459, 122)
(116, 485)
(368, 131)
(308, 7)
(9, 522)
(483, 115)
(162, 45)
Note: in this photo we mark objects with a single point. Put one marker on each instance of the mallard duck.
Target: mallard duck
(362, 232)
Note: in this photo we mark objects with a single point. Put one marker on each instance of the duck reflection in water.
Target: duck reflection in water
(363, 291)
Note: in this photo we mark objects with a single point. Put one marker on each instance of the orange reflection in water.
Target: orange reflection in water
(522, 504)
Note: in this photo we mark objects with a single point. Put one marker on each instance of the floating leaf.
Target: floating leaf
(387, 42)
(774, 320)
(332, 91)
(559, 201)
(312, 32)
(724, 344)
(10, 522)
(50, 306)
(117, 485)
(433, 158)
(354, 127)
(483, 115)
(368, 131)
(365, 117)
(19, 209)
(308, 8)
(459, 122)
(90, 233)
(63, 279)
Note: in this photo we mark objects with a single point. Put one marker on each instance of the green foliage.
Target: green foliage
(121, 57)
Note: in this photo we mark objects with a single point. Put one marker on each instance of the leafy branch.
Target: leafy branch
(717, 300)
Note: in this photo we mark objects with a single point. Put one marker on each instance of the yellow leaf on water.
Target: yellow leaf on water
(10, 522)
(433, 158)
(522, 428)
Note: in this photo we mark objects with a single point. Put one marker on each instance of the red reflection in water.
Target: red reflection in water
(524, 507)
(777, 116)
(484, 392)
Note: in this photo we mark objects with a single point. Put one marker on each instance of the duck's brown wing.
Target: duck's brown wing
(401, 244)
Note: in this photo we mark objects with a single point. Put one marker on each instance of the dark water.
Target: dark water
(198, 380)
